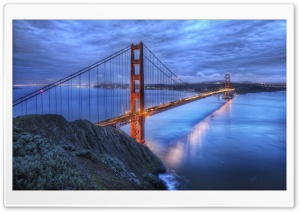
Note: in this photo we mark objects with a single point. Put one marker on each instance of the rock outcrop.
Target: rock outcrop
(52, 153)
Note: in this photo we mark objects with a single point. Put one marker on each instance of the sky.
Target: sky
(196, 50)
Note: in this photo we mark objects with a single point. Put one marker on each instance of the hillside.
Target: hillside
(51, 153)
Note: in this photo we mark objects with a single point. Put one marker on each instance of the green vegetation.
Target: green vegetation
(50, 153)
(22, 118)
(40, 165)
(86, 154)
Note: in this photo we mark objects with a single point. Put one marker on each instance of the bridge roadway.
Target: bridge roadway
(126, 118)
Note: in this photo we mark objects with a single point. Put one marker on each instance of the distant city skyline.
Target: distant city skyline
(196, 50)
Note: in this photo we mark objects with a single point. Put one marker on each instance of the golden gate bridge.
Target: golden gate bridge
(122, 88)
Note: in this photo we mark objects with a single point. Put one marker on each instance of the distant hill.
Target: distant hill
(50, 153)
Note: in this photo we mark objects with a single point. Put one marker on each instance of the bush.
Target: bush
(69, 148)
(40, 165)
(86, 154)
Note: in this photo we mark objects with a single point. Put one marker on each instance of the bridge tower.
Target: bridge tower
(227, 86)
(137, 103)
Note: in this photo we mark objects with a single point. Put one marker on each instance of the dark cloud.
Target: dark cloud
(196, 50)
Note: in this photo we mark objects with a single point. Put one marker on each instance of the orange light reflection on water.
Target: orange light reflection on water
(188, 146)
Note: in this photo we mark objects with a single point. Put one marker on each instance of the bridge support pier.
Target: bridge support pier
(137, 126)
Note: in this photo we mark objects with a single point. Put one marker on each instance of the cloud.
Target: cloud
(197, 49)
(201, 77)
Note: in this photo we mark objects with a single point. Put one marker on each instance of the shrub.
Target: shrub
(69, 148)
(40, 165)
(86, 154)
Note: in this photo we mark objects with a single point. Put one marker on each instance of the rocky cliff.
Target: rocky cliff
(51, 153)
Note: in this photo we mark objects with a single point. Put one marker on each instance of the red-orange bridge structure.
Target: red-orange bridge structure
(122, 88)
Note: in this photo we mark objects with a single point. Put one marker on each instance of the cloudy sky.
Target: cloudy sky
(197, 51)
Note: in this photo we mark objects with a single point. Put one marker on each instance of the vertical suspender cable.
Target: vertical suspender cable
(119, 83)
(90, 96)
(159, 79)
(152, 82)
(36, 104)
(128, 89)
(105, 103)
(98, 87)
(72, 99)
(79, 100)
(49, 101)
(22, 107)
(55, 101)
(42, 103)
(112, 90)
(69, 101)
(60, 100)
(111, 94)
(165, 88)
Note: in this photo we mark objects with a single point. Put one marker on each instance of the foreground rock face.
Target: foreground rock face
(52, 153)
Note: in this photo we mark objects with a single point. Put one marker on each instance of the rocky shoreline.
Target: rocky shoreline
(50, 153)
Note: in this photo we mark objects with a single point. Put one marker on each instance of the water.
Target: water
(93, 104)
(207, 144)
(213, 145)
(73, 102)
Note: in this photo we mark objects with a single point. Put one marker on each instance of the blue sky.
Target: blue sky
(196, 50)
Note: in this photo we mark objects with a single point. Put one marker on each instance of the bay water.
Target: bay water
(209, 144)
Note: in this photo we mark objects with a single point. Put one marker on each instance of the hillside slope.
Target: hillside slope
(51, 153)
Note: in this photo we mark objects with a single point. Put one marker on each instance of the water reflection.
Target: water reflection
(235, 146)
(189, 146)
